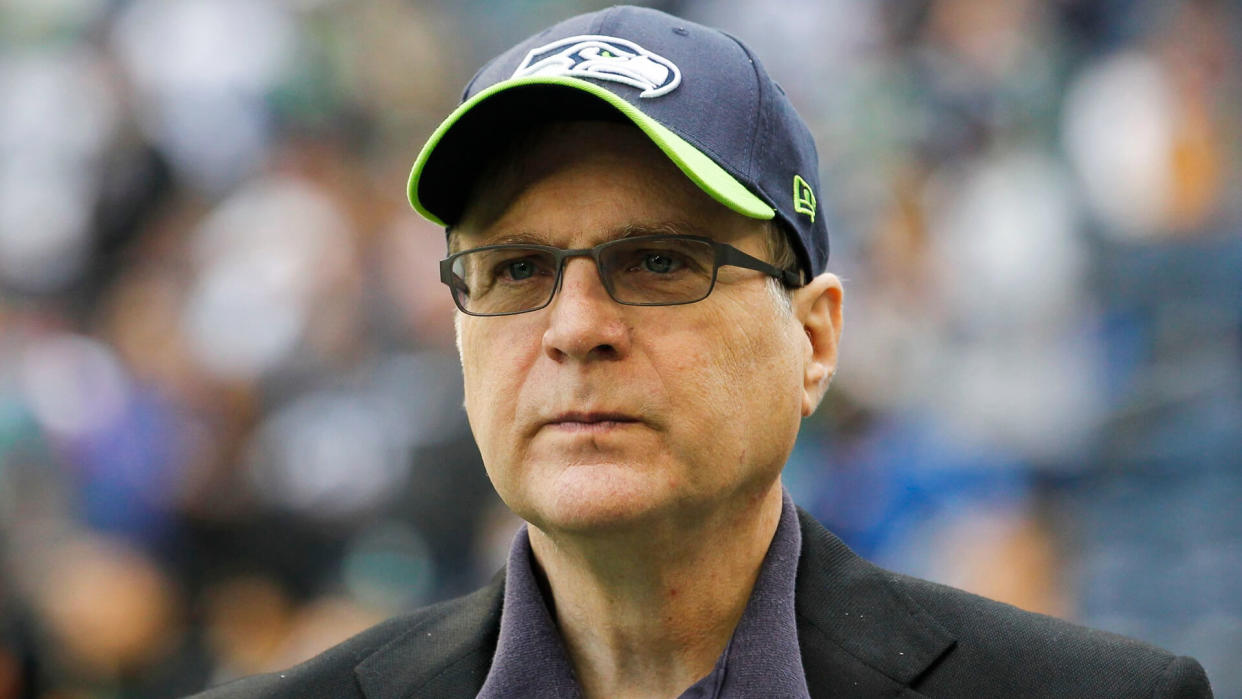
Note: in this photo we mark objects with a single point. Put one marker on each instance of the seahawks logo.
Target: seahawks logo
(603, 58)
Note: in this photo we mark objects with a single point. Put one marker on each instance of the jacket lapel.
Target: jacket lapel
(446, 653)
(860, 635)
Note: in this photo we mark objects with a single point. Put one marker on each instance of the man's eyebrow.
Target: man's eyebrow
(662, 228)
(458, 243)
(517, 237)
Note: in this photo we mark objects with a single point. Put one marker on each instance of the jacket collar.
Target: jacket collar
(446, 653)
(860, 635)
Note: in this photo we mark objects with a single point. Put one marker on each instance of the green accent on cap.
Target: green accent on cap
(803, 197)
(701, 169)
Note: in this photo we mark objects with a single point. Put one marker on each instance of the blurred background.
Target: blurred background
(230, 422)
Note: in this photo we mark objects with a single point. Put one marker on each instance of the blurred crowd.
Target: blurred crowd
(231, 430)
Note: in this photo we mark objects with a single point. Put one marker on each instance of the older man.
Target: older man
(638, 256)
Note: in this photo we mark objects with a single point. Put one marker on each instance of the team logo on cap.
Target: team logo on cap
(603, 58)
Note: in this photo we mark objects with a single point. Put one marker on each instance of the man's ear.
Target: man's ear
(818, 308)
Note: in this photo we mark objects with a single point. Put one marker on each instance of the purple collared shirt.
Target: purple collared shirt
(761, 659)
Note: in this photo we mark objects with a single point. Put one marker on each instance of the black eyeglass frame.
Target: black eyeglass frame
(725, 254)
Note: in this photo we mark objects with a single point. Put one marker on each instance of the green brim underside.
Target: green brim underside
(702, 170)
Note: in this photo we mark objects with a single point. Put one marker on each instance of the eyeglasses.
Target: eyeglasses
(649, 270)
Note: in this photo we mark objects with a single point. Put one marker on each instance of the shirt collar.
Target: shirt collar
(762, 657)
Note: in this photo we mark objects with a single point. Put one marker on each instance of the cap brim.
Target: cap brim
(441, 203)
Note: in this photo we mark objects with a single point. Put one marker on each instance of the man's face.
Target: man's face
(590, 414)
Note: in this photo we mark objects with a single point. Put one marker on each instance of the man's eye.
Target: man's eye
(660, 263)
(517, 270)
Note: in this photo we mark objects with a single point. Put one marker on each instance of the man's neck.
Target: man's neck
(649, 612)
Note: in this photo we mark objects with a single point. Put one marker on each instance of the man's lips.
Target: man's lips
(591, 421)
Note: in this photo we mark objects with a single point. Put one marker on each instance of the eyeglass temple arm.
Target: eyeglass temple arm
(733, 257)
(452, 280)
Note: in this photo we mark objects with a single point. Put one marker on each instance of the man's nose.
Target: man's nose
(584, 323)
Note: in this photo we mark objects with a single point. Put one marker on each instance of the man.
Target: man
(639, 260)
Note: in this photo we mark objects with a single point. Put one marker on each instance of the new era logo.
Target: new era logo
(803, 197)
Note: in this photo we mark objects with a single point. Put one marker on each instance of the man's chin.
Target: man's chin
(602, 499)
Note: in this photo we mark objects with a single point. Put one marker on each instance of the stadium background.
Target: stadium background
(230, 423)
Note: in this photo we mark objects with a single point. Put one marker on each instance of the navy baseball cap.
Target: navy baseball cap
(696, 92)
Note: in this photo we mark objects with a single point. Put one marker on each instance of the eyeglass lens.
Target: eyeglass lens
(653, 271)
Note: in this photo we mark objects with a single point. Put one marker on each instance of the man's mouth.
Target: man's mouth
(591, 421)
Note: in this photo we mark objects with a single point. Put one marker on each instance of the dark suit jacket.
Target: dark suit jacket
(864, 632)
